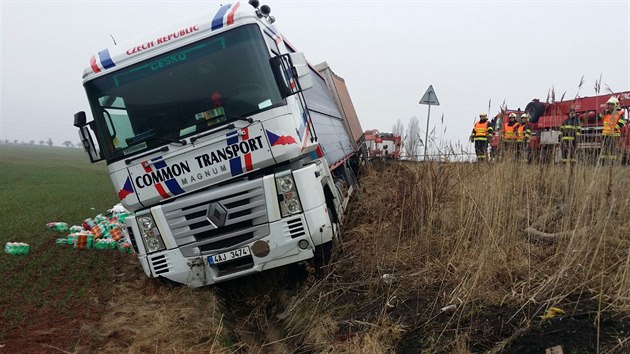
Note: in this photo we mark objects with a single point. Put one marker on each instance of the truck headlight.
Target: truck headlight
(287, 196)
(285, 184)
(146, 222)
(150, 234)
(293, 206)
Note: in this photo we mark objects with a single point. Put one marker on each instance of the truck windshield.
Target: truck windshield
(183, 92)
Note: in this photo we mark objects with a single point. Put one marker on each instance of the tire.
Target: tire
(323, 252)
(535, 110)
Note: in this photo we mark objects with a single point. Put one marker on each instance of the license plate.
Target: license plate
(229, 255)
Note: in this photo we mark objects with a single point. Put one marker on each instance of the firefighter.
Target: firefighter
(481, 134)
(613, 120)
(508, 138)
(523, 135)
(570, 130)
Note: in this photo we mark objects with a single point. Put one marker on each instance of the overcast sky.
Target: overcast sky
(388, 52)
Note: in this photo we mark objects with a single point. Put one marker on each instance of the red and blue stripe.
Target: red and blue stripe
(104, 59)
(172, 184)
(218, 20)
(236, 165)
(271, 33)
(236, 168)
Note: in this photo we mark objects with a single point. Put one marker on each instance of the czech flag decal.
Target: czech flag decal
(275, 140)
(126, 189)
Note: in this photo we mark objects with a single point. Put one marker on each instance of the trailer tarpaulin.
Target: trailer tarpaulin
(327, 120)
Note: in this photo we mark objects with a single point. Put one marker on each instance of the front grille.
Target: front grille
(225, 243)
(160, 264)
(242, 203)
(238, 215)
(221, 242)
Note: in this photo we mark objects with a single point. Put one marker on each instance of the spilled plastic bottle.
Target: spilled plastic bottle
(57, 226)
(125, 247)
(76, 228)
(17, 248)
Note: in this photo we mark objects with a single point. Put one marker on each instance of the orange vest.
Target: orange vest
(481, 130)
(509, 132)
(610, 122)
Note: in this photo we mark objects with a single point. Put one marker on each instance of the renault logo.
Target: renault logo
(217, 214)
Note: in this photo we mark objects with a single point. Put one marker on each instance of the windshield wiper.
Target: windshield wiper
(168, 140)
(149, 135)
(209, 132)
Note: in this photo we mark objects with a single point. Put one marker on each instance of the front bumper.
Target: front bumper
(283, 240)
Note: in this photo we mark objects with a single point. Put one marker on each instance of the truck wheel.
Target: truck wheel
(323, 252)
(535, 109)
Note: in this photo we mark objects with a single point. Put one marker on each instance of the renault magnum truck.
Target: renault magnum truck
(224, 141)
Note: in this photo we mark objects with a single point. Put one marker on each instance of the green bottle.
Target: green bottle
(8, 247)
(25, 248)
(17, 248)
(57, 226)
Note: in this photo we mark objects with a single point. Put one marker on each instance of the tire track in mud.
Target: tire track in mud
(256, 309)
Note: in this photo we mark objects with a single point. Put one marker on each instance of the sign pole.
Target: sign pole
(426, 133)
(428, 100)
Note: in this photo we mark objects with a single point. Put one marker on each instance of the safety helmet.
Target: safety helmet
(524, 115)
(613, 100)
(483, 114)
(512, 115)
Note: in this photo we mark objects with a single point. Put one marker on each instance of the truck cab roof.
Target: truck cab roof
(170, 37)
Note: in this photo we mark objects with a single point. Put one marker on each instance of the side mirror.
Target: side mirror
(79, 119)
(86, 136)
(302, 70)
(292, 73)
(88, 143)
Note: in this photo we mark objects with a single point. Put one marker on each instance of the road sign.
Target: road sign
(429, 97)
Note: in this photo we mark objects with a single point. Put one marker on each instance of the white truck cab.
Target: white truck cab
(210, 133)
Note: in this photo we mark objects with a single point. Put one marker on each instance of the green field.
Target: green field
(53, 284)
(432, 261)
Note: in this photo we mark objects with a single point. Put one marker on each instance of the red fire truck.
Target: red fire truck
(385, 145)
(546, 119)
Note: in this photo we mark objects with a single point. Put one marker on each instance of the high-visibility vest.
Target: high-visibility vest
(611, 126)
(481, 130)
(570, 129)
(509, 131)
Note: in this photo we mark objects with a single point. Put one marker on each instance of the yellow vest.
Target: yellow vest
(509, 132)
(610, 124)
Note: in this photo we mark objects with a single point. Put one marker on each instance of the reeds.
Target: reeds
(421, 236)
(461, 231)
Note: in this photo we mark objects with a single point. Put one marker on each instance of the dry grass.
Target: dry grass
(149, 316)
(454, 234)
(421, 237)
